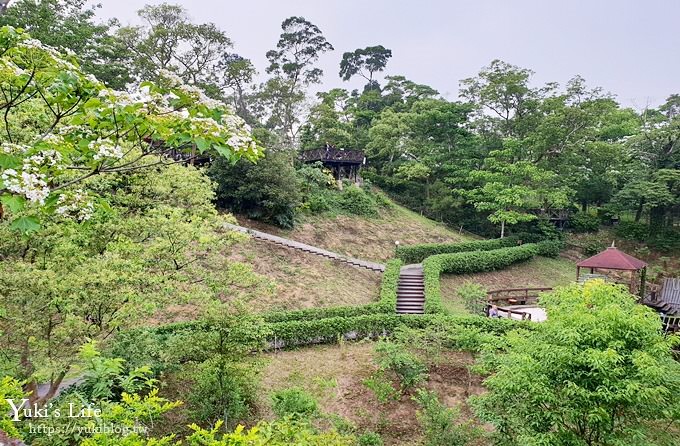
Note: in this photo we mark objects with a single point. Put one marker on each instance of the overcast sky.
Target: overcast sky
(630, 48)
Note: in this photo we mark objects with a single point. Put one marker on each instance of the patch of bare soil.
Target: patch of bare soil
(335, 375)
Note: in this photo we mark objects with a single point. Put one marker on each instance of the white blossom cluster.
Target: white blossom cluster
(49, 158)
(76, 206)
(9, 148)
(105, 150)
(174, 81)
(30, 182)
(240, 139)
(57, 58)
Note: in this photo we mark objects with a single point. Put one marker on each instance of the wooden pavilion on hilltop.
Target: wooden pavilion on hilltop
(614, 259)
(345, 164)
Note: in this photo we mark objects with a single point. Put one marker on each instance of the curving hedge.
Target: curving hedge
(322, 325)
(468, 262)
(418, 253)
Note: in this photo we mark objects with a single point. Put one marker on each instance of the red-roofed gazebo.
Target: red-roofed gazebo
(614, 259)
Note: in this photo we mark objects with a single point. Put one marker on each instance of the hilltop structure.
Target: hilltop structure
(345, 164)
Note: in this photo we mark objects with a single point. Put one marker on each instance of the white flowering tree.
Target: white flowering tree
(59, 126)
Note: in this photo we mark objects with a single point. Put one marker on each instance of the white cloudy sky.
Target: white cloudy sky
(630, 48)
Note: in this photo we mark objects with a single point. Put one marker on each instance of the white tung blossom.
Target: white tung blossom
(104, 150)
(76, 205)
(29, 183)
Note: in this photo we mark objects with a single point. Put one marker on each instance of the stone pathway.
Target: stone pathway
(307, 248)
(411, 290)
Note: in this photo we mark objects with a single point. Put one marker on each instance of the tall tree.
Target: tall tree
(329, 122)
(170, 41)
(364, 62)
(509, 190)
(236, 74)
(69, 25)
(503, 90)
(292, 65)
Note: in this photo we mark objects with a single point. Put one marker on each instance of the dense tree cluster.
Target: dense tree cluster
(507, 153)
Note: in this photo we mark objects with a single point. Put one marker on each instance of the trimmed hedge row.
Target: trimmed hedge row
(469, 262)
(418, 253)
(389, 285)
(295, 333)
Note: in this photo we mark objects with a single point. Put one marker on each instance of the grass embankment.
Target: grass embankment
(369, 238)
(538, 272)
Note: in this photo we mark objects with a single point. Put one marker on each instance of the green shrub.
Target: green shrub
(474, 297)
(165, 344)
(381, 387)
(630, 230)
(223, 390)
(550, 248)
(330, 312)
(295, 402)
(467, 263)
(321, 202)
(584, 222)
(370, 439)
(440, 426)
(407, 367)
(592, 247)
(665, 241)
(267, 190)
(389, 285)
(355, 201)
(418, 253)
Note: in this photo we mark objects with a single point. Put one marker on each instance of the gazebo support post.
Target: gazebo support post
(578, 272)
(643, 282)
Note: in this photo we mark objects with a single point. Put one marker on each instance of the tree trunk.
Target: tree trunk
(502, 228)
(638, 212)
(657, 218)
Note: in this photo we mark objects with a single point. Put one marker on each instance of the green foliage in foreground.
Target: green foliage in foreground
(278, 433)
(408, 368)
(598, 372)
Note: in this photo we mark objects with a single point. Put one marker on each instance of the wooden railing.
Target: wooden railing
(521, 296)
(670, 324)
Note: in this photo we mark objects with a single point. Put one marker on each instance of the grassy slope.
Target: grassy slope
(538, 272)
(300, 280)
(365, 238)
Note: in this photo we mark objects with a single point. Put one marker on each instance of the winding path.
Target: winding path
(379, 267)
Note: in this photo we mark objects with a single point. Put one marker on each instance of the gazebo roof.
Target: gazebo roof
(612, 258)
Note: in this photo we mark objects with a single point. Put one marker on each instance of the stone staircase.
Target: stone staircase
(306, 248)
(411, 290)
